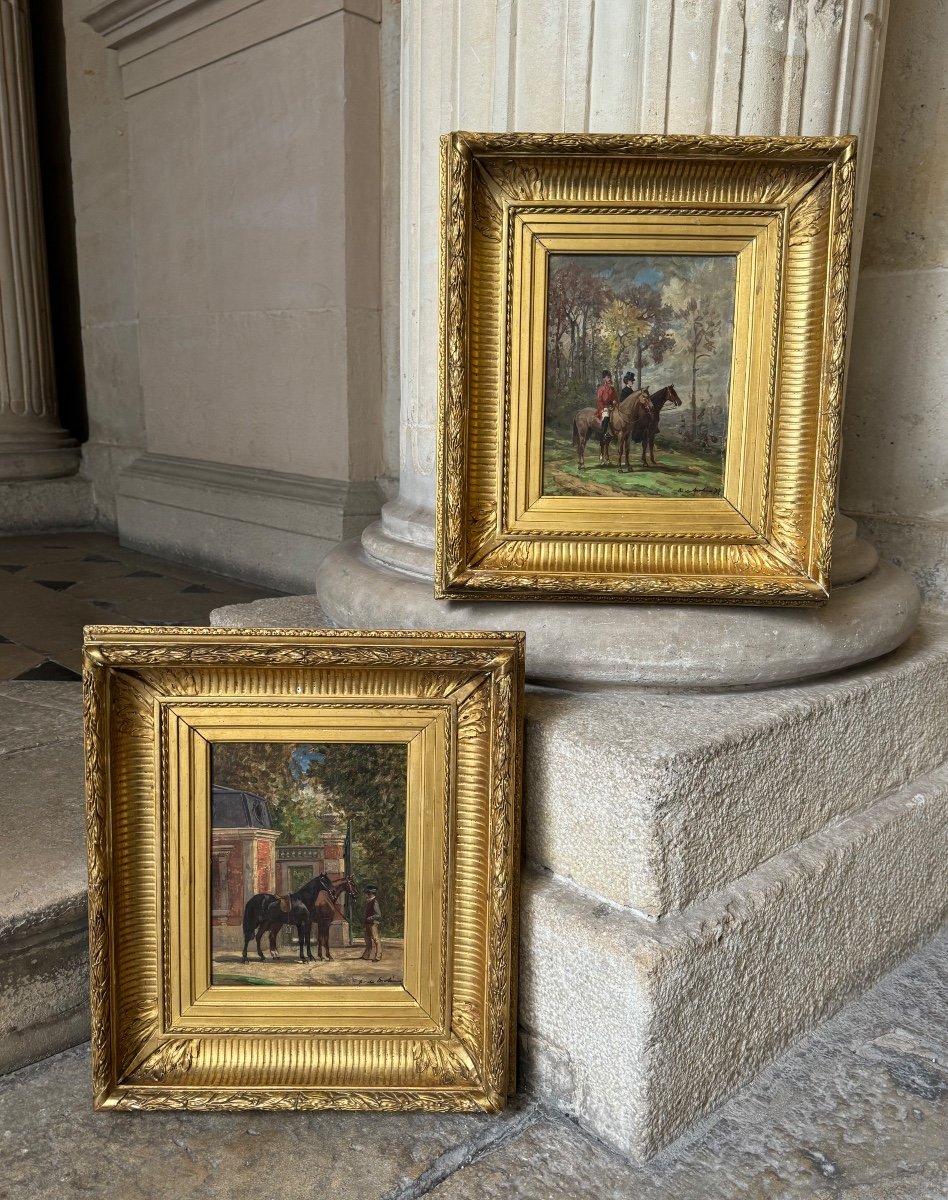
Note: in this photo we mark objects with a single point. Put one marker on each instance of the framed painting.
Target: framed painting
(303, 867)
(642, 366)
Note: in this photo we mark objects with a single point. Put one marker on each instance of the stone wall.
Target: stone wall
(895, 461)
(105, 257)
(228, 179)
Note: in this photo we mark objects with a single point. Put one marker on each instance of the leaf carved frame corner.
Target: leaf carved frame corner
(162, 1036)
(784, 208)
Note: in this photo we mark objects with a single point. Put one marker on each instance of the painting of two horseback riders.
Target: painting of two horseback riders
(307, 872)
(638, 369)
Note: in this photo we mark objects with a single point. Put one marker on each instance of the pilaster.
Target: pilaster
(32, 443)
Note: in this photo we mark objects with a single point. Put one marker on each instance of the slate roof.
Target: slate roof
(232, 809)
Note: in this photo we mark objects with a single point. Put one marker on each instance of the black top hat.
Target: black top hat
(370, 887)
(627, 376)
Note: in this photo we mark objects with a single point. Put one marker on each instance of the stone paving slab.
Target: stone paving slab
(856, 1111)
(26, 723)
(54, 1147)
(42, 805)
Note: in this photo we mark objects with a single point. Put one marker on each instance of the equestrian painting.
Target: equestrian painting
(638, 372)
(307, 870)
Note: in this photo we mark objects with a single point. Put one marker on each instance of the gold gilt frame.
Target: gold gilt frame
(784, 207)
(162, 1036)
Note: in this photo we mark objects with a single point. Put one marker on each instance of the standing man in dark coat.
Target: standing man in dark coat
(373, 926)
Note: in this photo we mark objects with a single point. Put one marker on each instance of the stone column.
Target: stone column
(32, 444)
(707, 66)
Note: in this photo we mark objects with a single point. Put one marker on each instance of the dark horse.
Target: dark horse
(325, 910)
(645, 423)
(268, 912)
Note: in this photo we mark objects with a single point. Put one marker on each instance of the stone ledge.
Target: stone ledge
(267, 527)
(44, 994)
(39, 505)
(640, 1027)
(694, 789)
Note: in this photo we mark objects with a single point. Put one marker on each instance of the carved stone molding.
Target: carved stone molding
(158, 40)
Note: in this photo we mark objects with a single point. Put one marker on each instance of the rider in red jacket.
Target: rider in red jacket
(606, 397)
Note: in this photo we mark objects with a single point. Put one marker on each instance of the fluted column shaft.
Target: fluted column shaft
(32, 443)
(677, 66)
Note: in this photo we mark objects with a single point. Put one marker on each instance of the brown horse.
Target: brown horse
(626, 417)
(645, 423)
(586, 425)
(325, 910)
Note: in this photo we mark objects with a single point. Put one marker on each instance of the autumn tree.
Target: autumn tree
(622, 326)
(698, 329)
(576, 298)
(658, 340)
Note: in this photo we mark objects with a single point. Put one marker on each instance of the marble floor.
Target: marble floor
(51, 585)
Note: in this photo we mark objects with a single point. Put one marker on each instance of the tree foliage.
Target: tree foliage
(366, 783)
(622, 327)
(276, 771)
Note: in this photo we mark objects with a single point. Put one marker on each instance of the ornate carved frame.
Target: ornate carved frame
(162, 1036)
(784, 207)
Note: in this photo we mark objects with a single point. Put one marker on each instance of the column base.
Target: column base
(43, 453)
(384, 582)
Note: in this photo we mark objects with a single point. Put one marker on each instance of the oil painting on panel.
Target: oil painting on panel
(307, 872)
(638, 370)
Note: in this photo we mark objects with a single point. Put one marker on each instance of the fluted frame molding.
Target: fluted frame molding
(763, 67)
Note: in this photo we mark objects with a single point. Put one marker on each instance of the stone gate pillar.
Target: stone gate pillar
(32, 443)
(714, 859)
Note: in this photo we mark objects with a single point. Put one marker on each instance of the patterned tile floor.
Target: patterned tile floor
(53, 584)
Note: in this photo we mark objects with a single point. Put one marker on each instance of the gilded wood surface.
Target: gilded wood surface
(134, 780)
(487, 179)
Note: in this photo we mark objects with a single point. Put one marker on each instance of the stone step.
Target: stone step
(854, 1110)
(44, 1004)
(638, 1027)
(656, 799)
(634, 1025)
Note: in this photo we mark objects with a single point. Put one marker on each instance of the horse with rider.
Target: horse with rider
(630, 417)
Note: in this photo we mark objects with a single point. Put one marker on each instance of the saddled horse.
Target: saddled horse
(623, 420)
(265, 911)
(326, 909)
(645, 423)
(586, 425)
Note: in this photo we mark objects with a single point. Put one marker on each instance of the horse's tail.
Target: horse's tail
(575, 433)
(250, 918)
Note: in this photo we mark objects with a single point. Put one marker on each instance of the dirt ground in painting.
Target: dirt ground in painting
(346, 969)
(679, 473)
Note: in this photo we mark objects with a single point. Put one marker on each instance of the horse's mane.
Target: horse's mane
(628, 404)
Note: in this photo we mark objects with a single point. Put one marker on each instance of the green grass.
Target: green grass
(679, 474)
